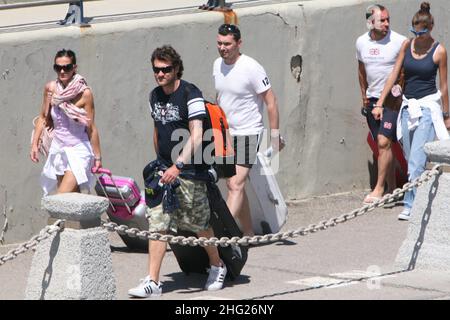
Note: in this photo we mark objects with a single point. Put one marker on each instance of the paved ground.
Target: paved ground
(326, 265)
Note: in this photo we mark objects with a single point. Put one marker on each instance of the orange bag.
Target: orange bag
(216, 131)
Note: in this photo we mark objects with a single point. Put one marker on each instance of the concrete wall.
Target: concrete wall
(320, 115)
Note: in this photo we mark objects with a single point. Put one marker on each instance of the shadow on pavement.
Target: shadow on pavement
(194, 282)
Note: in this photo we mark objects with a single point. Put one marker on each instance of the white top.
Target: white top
(378, 58)
(432, 102)
(238, 89)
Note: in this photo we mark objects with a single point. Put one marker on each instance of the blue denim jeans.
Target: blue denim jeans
(413, 143)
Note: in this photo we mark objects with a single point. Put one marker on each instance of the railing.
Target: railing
(36, 4)
(74, 14)
(216, 5)
(210, 5)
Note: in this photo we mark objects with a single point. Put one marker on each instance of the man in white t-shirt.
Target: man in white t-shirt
(377, 51)
(243, 88)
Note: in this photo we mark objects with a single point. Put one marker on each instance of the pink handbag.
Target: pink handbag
(45, 140)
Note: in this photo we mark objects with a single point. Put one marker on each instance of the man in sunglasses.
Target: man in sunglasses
(243, 88)
(377, 51)
(178, 109)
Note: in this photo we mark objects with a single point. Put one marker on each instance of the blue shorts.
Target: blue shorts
(386, 127)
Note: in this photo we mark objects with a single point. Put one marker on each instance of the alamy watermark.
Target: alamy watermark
(73, 281)
(216, 145)
(374, 280)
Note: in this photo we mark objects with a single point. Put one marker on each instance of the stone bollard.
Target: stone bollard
(427, 245)
(76, 263)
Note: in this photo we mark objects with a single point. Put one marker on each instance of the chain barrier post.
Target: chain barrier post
(269, 238)
(302, 231)
(75, 264)
(427, 245)
(217, 5)
(75, 14)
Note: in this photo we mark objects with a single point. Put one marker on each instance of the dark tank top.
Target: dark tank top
(420, 74)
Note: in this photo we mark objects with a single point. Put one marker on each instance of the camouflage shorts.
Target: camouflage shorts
(193, 214)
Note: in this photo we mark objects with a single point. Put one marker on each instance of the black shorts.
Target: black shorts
(386, 127)
(245, 149)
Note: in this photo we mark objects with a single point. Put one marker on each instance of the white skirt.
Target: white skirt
(78, 159)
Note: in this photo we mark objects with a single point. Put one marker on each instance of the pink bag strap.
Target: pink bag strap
(50, 93)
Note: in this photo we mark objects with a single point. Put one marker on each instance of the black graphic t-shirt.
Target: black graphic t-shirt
(171, 115)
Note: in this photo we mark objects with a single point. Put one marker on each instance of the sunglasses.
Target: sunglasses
(420, 32)
(163, 69)
(228, 28)
(66, 67)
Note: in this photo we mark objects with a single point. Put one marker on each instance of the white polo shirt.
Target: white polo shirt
(238, 88)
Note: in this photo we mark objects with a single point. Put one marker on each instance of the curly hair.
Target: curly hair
(168, 54)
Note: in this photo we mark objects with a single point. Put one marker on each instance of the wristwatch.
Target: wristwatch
(445, 114)
(179, 165)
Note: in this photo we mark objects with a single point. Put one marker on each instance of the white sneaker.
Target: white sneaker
(405, 214)
(216, 278)
(147, 288)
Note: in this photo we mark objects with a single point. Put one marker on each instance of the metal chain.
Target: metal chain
(58, 226)
(245, 241)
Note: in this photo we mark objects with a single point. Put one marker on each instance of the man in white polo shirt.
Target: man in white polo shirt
(243, 88)
(377, 51)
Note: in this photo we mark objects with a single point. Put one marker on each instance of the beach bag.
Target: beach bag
(45, 140)
(217, 146)
(195, 259)
(216, 131)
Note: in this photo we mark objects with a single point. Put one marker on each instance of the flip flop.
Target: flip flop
(370, 199)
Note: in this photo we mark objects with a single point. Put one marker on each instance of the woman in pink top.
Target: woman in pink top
(68, 110)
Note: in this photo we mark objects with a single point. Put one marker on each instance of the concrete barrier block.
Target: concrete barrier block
(427, 245)
(73, 265)
(438, 151)
(75, 206)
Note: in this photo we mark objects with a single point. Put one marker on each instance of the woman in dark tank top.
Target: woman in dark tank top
(420, 74)
(421, 58)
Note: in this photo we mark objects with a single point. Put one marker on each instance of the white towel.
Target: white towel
(432, 102)
(415, 112)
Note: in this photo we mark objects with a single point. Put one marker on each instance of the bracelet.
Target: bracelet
(98, 158)
(445, 114)
(274, 133)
